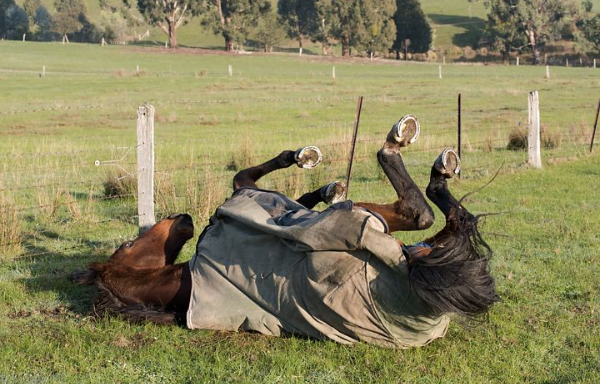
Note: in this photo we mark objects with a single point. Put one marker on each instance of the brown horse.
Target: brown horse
(400, 301)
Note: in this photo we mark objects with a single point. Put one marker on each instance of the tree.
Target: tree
(17, 23)
(536, 22)
(591, 32)
(4, 6)
(234, 19)
(168, 15)
(67, 17)
(268, 32)
(413, 33)
(30, 7)
(502, 33)
(299, 18)
(360, 24)
(43, 21)
(587, 35)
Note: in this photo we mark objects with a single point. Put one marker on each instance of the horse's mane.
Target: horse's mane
(454, 277)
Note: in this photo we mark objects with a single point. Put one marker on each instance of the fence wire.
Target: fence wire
(69, 188)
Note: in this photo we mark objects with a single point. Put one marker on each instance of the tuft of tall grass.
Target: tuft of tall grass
(118, 184)
(10, 226)
(518, 139)
(243, 157)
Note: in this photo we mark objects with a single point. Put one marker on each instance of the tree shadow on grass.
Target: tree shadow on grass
(473, 26)
(50, 271)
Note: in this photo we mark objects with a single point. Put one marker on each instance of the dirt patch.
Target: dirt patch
(135, 342)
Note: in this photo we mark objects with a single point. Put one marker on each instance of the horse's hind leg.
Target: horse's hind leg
(306, 157)
(445, 167)
(410, 211)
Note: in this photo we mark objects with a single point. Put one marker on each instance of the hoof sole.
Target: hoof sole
(308, 157)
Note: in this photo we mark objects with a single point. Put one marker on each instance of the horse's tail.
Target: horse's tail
(454, 277)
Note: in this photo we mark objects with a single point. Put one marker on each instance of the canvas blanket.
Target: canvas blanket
(267, 264)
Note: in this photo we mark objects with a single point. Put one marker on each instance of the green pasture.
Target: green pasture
(55, 216)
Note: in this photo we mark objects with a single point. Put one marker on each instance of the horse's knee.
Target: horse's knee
(241, 179)
(425, 220)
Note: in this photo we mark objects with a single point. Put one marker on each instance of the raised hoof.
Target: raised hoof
(406, 131)
(308, 157)
(333, 193)
(447, 163)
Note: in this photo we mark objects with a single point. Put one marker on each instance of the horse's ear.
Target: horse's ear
(89, 276)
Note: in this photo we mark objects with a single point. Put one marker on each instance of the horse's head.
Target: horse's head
(154, 249)
(157, 247)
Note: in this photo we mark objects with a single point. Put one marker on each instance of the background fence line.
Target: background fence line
(63, 184)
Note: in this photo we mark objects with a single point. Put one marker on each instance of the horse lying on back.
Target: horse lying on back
(269, 264)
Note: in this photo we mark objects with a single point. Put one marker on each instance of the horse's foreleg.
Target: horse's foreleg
(249, 176)
(305, 157)
(328, 194)
(410, 211)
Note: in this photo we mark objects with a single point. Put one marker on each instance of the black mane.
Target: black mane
(454, 277)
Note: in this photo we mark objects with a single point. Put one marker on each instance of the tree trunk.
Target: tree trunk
(345, 48)
(532, 39)
(228, 43)
(172, 34)
(536, 54)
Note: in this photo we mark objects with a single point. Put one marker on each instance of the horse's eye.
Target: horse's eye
(128, 244)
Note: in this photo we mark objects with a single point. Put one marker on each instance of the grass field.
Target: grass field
(56, 217)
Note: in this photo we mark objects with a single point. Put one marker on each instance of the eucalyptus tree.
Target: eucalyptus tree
(363, 25)
(68, 17)
(516, 24)
(299, 18)
(235, 20)
(413, 33)
(168, 15)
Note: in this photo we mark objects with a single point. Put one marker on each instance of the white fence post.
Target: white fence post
(535, 158)
(145, 160)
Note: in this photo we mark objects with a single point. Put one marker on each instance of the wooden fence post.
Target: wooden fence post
(145, 160)
(535, 158)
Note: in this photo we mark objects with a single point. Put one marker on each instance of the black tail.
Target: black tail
(455, 277)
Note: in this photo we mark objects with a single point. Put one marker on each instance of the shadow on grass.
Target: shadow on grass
(50, 270)
(473, 26)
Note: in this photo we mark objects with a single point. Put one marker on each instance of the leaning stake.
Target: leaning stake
(356, 122)
(595, 126)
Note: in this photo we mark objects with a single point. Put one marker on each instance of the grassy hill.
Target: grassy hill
(456, 24)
